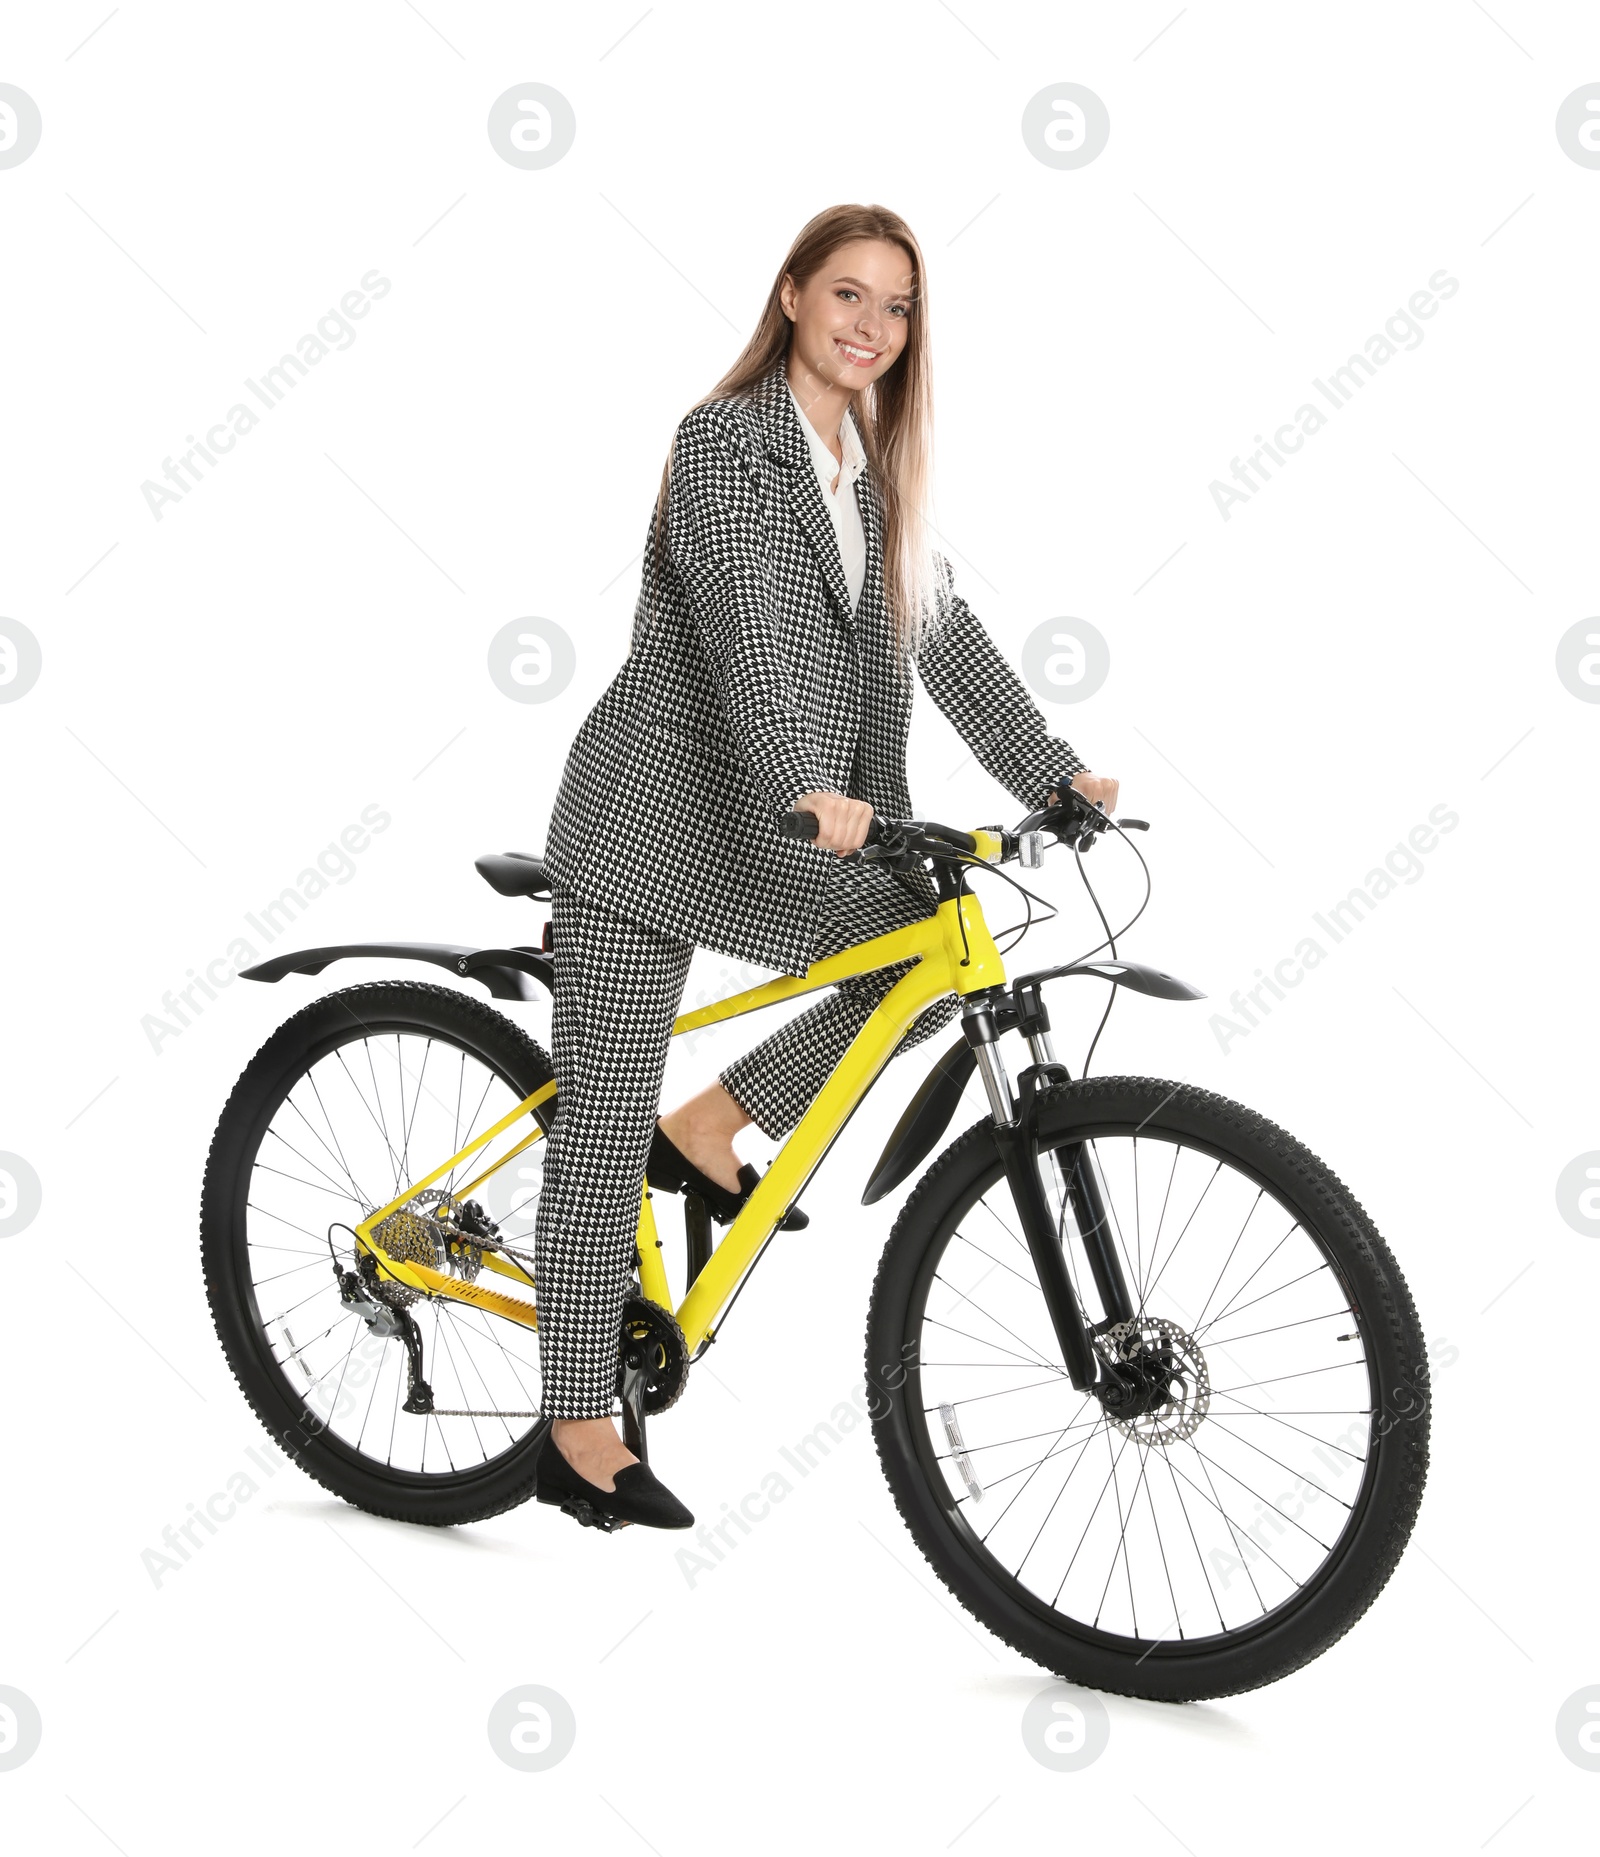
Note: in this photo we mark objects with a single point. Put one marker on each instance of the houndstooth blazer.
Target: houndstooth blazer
(749, 682)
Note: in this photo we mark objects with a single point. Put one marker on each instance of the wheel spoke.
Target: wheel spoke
(1028, 1360)
(1145, 1295)
(361, 1197)
(1021, 1340)
(1200, 1559)
(1200, 1319)
(382, 1113)
(1081, 1445)
(1223, 1425)
(1032, 1282)
(1005, 1392)
(278, 1135)
(1233, 1302)
(1278, 1328)
(1111, 1477)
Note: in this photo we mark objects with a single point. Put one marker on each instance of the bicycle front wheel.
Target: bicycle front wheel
(1245, 1510)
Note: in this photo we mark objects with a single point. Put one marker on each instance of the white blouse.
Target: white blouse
(840, 503)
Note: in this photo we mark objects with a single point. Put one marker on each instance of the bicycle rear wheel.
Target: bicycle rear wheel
(1250, 1507)
(351, 1101)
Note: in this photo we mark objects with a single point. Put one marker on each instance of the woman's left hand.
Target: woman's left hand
(1093, 787)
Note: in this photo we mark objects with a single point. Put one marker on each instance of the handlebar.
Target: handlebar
(881, 829)
(1073, 819)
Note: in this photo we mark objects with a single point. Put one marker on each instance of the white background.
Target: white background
(225, 689)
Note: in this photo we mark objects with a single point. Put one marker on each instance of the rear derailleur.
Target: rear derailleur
(433, 1228)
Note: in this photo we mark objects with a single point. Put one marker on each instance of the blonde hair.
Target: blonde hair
(894, 416)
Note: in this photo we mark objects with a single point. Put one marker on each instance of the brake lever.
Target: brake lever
(1086, 842)
(887, 848)
(1092, 825)
(1062, 818)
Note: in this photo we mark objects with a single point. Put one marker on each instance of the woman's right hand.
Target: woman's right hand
(841, 823)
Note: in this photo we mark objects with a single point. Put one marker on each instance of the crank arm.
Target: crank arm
(634, 1379)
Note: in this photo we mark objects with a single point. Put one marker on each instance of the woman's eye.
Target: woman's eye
(900, 309)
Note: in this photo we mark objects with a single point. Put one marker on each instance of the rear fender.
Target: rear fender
(508, 973)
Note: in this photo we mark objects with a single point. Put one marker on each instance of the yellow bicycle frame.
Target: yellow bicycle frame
(947, 961)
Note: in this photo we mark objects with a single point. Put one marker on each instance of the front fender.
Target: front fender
(508, 973)
(1137, 975)
(928, 1113)
(924, 1120)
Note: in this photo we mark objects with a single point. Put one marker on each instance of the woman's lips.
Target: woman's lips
(855, 354)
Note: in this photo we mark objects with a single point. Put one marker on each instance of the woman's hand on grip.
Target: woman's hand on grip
(1101, 788)
(841, 823)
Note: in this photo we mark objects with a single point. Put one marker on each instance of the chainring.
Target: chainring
(647, 1325)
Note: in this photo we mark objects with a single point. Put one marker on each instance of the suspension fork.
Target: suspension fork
(1080, 1181)
(1015, 1122)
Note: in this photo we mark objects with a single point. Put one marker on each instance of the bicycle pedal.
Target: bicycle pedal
(587, 1515)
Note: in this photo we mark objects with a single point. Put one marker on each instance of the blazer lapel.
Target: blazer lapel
(788, 446)
(886, 696)
(872, 532)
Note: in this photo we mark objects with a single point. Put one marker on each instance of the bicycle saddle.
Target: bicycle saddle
(513, 873)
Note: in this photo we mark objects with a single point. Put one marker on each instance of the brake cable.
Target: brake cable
(1030, 897)
(965, 860)
(1111, 939)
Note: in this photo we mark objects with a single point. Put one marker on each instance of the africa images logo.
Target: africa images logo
(1402, 330)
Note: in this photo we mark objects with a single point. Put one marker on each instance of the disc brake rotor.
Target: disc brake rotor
(1170, 1391)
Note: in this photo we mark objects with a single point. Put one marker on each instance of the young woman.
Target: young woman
(788, 586)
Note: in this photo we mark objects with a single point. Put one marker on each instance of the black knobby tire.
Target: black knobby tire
(385, 1007)
(1381, 1517)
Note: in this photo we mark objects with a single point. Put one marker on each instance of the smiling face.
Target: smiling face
(852, 318)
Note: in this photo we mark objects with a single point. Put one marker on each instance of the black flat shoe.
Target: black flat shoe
(639, 1496)
(672, 1170)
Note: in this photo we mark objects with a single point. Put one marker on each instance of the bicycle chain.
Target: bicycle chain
(415, 1237)
(661, 1393)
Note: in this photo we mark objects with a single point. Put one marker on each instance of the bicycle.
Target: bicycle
(1092, 1277)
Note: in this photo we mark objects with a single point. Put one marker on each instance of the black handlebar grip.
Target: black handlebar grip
(805, 824)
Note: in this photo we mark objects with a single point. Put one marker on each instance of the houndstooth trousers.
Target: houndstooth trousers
(618, 988)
